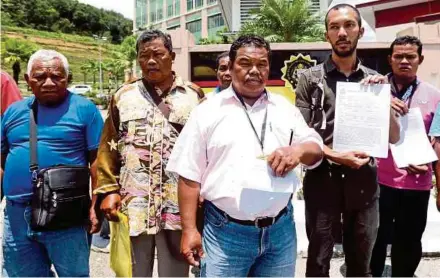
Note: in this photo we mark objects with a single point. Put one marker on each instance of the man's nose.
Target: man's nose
(48, 82)
(342, 32)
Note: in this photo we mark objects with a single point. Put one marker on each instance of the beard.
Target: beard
(346, 53)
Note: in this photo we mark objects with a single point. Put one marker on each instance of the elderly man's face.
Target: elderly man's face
(250, 71)
(48, 81)
(223, 74)
(155, 61)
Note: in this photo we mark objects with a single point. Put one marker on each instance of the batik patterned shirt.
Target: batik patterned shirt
(137, 140)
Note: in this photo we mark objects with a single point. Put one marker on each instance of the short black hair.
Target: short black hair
(248, 40)
(404, 40)
(150, 35)
(340, 6)
(219, 57)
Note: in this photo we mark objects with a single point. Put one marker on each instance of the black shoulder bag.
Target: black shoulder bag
(61, 194)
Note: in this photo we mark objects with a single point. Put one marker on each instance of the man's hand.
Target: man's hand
(191, 246)
(354, 160)
(417, 169)
(284, 159)
(94, 223)
(110, 205)
(374, 79)
(399, 106)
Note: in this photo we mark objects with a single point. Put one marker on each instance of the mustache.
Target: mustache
(254, 78)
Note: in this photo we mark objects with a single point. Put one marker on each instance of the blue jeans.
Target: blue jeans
(27, 253)
(235, 250)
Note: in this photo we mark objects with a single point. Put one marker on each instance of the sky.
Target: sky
(125, 7)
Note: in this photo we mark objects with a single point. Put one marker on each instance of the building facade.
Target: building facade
(236, 12)
(203, 18)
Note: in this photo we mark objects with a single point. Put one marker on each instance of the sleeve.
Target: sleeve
(303, 133)
(434, 130)
(10, 92)
(109, 160)
(189, 158)
(94, 128)
(4, 142)
(303, 100)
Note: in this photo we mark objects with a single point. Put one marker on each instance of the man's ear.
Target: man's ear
(26, 77)
(361, 32)
(421, 59)
(173, 55)
(389, 59)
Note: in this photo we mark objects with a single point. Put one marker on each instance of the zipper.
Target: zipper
(56, 200)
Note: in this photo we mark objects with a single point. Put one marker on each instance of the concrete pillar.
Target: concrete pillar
(204, 23)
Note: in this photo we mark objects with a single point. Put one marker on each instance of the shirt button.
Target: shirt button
(366, 203)
(362, 191)
(343, 176)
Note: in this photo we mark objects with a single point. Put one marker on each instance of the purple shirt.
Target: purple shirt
(426, 97)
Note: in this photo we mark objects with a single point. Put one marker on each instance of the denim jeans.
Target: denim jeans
(27, 253)
(235, 250)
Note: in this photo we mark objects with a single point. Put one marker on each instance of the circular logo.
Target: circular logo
(293, 67)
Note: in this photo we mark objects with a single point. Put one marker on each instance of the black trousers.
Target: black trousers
(338, 198)
(403, 215)
(359, 230)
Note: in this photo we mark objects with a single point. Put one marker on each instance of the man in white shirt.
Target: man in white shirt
(237, 151)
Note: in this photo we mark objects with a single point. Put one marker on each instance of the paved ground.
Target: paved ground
(429, 267)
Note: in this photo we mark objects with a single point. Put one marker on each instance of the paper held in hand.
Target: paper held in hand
(414, 146)
(362, 118)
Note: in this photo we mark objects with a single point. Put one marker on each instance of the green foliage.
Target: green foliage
(285, 21)
(14, 52)
(68, 16)
(220, 38)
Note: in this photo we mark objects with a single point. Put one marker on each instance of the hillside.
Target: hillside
(77, 49)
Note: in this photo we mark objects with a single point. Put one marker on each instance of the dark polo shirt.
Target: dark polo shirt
(331, 184)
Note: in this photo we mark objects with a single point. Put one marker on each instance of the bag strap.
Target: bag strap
(317, 105)
(33, 112)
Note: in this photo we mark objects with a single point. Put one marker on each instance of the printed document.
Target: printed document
(362, 118)
(414, 146)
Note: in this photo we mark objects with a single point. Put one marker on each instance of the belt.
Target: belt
(18, 204)
(259, 222)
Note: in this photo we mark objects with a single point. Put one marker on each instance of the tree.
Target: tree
(127, 53)
(16, 52)
(91, 66)
(285, 21)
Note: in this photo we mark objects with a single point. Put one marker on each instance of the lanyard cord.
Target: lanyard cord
(263, 126)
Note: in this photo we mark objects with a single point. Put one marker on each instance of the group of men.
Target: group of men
(166, 151)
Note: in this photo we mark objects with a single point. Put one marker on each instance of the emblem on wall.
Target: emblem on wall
(293, 67)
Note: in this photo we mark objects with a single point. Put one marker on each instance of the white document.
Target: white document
(260, 176)
(414, 146)
(362, 118)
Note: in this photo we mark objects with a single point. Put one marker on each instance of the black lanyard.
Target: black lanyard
(263, 126)
(409, 92)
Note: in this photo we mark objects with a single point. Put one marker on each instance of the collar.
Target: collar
(329, 65)
(177, 83)
(395, 91)
(229, 93)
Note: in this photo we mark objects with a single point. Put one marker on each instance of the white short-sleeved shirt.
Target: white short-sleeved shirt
(218, 149)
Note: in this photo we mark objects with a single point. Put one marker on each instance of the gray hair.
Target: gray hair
(47, 55)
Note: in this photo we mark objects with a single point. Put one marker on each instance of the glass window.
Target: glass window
(189, 5)
(141, 13)
(198, 3)
(170, 8)
(215, 23)
(210, 2)
(173, 27)
(177, 7)
(195, 27)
